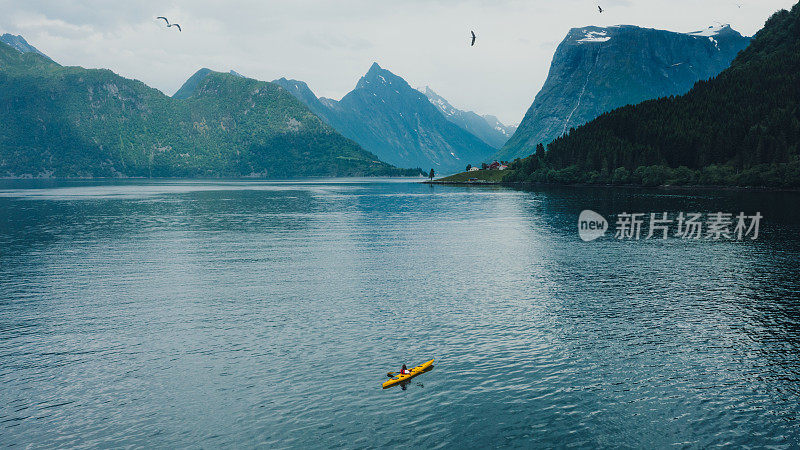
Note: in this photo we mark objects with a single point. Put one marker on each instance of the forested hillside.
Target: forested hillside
(72, 122)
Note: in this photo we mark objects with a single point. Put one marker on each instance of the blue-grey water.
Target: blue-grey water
(237, 314)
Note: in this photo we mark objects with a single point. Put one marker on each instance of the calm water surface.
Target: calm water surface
(229, 314)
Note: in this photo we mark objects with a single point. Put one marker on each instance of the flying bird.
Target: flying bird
(600, 8)
(473, 38)
(170, 24)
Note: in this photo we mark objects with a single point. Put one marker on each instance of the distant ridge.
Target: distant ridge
(20, 44)
(189, 86)
(396, 122)
(488, 128)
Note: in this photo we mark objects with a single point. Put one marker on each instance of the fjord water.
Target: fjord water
(221, 314)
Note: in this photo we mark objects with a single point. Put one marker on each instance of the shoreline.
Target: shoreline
(205, 178)
(668, 187)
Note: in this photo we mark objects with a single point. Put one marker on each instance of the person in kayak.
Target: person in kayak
(404, 370)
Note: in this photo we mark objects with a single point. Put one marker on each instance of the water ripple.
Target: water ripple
(231, 314)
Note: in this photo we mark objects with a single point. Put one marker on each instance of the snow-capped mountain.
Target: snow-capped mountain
(500, 127)
(597, 69)
(488, 128)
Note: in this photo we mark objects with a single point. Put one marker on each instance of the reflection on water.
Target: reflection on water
(170, 313)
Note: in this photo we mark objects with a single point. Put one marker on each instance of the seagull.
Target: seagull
(473, 38)
(170, 24)
(600, 8)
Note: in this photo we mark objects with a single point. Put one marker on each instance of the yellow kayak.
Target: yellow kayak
(414, 372)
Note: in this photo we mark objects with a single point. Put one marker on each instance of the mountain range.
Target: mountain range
(739, 128)
(488, 128)
(388, 117)
(58, 121)
(70, 121)
(595, 70)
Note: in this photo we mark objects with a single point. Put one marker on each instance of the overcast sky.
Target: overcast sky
(330, 44)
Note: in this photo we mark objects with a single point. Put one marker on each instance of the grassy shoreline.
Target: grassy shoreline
(495, 177)
(482, 176)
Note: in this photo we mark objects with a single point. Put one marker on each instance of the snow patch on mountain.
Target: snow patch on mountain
(487, 128)
(712, 33)
(709, 32)
(595, 36)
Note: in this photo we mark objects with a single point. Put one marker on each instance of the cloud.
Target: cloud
(326, 41)
(330, 44)
(56, 27)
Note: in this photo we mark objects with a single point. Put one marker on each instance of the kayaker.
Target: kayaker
(404, 370)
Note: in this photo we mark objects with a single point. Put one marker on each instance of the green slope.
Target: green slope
(191, 85)
(73, 122)
(742, 127)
